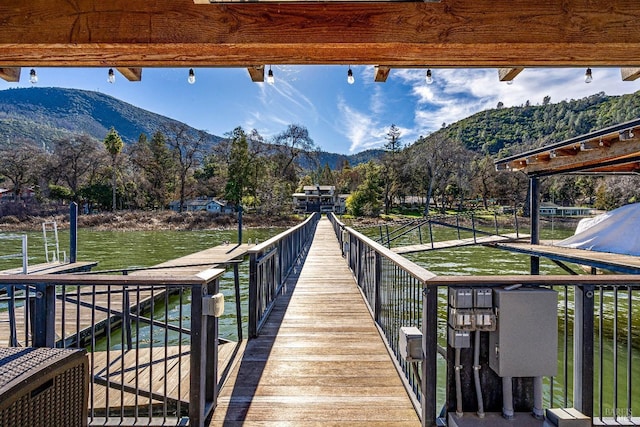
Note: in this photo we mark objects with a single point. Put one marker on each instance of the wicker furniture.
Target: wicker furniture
(43, 387)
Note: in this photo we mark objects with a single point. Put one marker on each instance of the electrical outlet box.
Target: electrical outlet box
(485, 319)
(462, 319)
(482, 298)
(525, 342)
(410, 343)
(460, 298)
(459, 339)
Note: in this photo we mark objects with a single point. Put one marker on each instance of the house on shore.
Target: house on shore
(208, 204)
(319, 198)
(551, 209)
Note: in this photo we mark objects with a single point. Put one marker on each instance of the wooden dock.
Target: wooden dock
(54, 268)
(82, 307)
(479, 240)
(319, 360)
(619, 263)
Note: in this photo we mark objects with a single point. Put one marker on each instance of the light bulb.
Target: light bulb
(270, 79)
(33, 77)
(350, 79)
(192, 76)
(112, 76)
(509, 82)
(588, 77)
(429, 77)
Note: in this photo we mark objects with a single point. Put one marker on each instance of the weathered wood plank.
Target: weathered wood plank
(135, 33)
(319, 359)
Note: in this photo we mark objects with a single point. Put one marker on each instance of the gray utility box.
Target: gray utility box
(525, 342)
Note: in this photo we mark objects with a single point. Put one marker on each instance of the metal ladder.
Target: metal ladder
(51, 249)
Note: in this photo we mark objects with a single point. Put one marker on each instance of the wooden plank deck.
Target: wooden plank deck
(319, 360)
(479, 240)
(130, 389)
(54, 268)
(626, 264)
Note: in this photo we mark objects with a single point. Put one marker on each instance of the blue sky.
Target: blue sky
(341, 118)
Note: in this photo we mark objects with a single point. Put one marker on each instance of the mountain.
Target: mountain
(46, 114)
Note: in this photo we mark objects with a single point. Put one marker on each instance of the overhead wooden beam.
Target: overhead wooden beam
(10, 74)
(131, 74)
(455, 33)
(630, 74)
(508, 74)
(256, 73)
(381, 73)
(590, 157)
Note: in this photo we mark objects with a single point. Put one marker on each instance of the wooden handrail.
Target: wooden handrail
(74, 279)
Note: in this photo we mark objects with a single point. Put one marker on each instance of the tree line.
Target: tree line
(177, 163)
(173, 164)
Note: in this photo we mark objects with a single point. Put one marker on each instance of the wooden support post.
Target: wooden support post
(381, 73)
(508, 74)
(256, 73)
(44, 316)
(131, 74)
(629, 74)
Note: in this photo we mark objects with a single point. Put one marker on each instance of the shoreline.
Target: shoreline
(191, 221)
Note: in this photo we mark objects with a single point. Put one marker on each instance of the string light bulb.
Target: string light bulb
(350, 79)
(111, 78)
(588, 77)
(429, 78)
(270, 79)
(192, 76)
(33, 77)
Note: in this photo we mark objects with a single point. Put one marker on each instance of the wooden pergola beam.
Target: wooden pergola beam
(508, 74)
(131, 74)
(381, 73)
(630, 74)
(453, 33)
(11, 74)
(256, 73)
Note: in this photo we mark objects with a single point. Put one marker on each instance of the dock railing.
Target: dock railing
(270, 263)
(598, 332)
(152, 342)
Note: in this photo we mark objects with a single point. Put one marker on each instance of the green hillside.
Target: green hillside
(504, 131)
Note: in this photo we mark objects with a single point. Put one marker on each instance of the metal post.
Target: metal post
(236, 284)
(73, 232)
(25, 255)
(583, 350)
(44, 316)
(253, 295)
(430, 352)
(473, 227)
(198, 344)
(239, 224)
(534, 197)
(378, 279)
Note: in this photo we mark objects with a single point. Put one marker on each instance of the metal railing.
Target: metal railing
(269, 265)
(467, 223)
(151, 343)
(598, 331)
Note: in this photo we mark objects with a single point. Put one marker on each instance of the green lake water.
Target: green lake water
(118, 250)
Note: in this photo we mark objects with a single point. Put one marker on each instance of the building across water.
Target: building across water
(319, 198)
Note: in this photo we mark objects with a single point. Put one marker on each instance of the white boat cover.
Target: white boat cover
(617, 231)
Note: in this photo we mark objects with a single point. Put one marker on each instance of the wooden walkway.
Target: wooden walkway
(319, 360)
(479, 240)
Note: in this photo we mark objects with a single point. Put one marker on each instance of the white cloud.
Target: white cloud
(459, 93)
